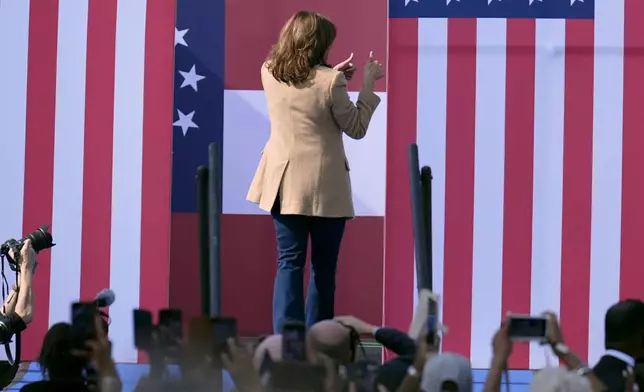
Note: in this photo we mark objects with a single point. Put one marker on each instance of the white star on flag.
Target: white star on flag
(407, 2)
(574, 1)
(490, 1)
(449, 1)
(532, 1)
(178, 37)
(185, 122)
(191, 78)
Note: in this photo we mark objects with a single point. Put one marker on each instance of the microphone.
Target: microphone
(105, 298)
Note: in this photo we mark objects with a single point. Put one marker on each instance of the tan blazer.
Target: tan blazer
(304, 159)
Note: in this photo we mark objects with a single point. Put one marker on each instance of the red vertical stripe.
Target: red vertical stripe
(517, 193)
(398, 275)
(459, 184)
(39, 155)
(97, 159)
(157, 154)
(577, 183)
(632, 267)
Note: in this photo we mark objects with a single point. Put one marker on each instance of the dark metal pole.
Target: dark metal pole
(214, 219)
(215, 203)
(204, 239)
(426, 189)
(417, 211)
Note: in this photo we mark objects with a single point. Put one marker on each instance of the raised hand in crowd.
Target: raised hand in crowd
(571, 360)
(238, 361)
(347, 67)
(98, 352)
(427, 346)
(18, 308)
(554, 336)
(501, 351)
(27, 256)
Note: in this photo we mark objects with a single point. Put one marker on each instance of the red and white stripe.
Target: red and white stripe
(534, 134)
(86, 105)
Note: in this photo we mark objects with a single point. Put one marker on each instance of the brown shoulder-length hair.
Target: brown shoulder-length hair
(303, 44)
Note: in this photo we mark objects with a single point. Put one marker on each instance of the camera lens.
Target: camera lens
(40, 239)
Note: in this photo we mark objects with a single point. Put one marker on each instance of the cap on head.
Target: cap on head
(447, 368)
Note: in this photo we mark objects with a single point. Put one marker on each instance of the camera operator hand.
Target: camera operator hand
(27, 256)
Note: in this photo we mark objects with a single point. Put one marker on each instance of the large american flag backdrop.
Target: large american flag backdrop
(530, 115)
(526, 110)
(86, 108)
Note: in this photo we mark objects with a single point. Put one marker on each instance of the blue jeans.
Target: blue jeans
(293, 233)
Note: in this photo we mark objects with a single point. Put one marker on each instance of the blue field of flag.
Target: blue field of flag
(532, 9)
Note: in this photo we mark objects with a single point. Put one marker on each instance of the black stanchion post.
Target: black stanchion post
(204, 238)
(426, 192)
(215, 204)
(417, 210)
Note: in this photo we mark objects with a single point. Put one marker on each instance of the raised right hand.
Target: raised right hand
(553, 330)
(372, 71)
(27, 255)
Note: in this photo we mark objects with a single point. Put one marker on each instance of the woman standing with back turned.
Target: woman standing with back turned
(303, 174)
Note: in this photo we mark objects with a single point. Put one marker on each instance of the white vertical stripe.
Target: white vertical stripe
(489, 163)
(68, 158)
(545, 289)
(246, 128)
(127, 174)
(14, 27)
(607, 168)
(432, 118)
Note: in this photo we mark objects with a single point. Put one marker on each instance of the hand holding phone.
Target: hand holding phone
(294, 341)
(83, 324)
(170, 327)
(428, 306)
(223, 328)
(142, 329)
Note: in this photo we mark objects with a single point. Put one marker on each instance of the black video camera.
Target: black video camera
(40, 239)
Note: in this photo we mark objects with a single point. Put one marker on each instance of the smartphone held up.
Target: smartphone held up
(223, 329)
(526, 328)
(294, 342)
(83, 323)
(427, 318)
(165, 339)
